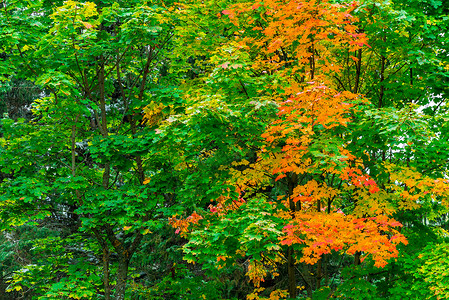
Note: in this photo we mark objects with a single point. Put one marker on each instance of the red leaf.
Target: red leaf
(288, 227)
(229, 13)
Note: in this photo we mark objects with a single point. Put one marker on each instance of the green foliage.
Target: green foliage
(424, 275)
(61, 269)
(182, 283)
(82, 152)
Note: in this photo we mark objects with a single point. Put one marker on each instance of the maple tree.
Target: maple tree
(79, 160)
(327, 194)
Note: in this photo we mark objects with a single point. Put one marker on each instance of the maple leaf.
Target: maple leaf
(229, 13)
(87, 25)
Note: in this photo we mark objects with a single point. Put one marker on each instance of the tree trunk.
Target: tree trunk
(122, 275)
(292, 292)
(358, 72)
(357, 260)
(107, 286)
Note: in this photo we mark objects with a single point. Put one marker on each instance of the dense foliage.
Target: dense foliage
(223, 149)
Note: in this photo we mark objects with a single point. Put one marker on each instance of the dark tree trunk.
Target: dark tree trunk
(292, 292)
(122, 275)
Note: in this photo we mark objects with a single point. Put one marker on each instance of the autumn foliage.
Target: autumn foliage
(326, 200)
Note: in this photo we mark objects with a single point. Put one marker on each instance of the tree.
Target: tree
(333, 191)
(84, 158)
